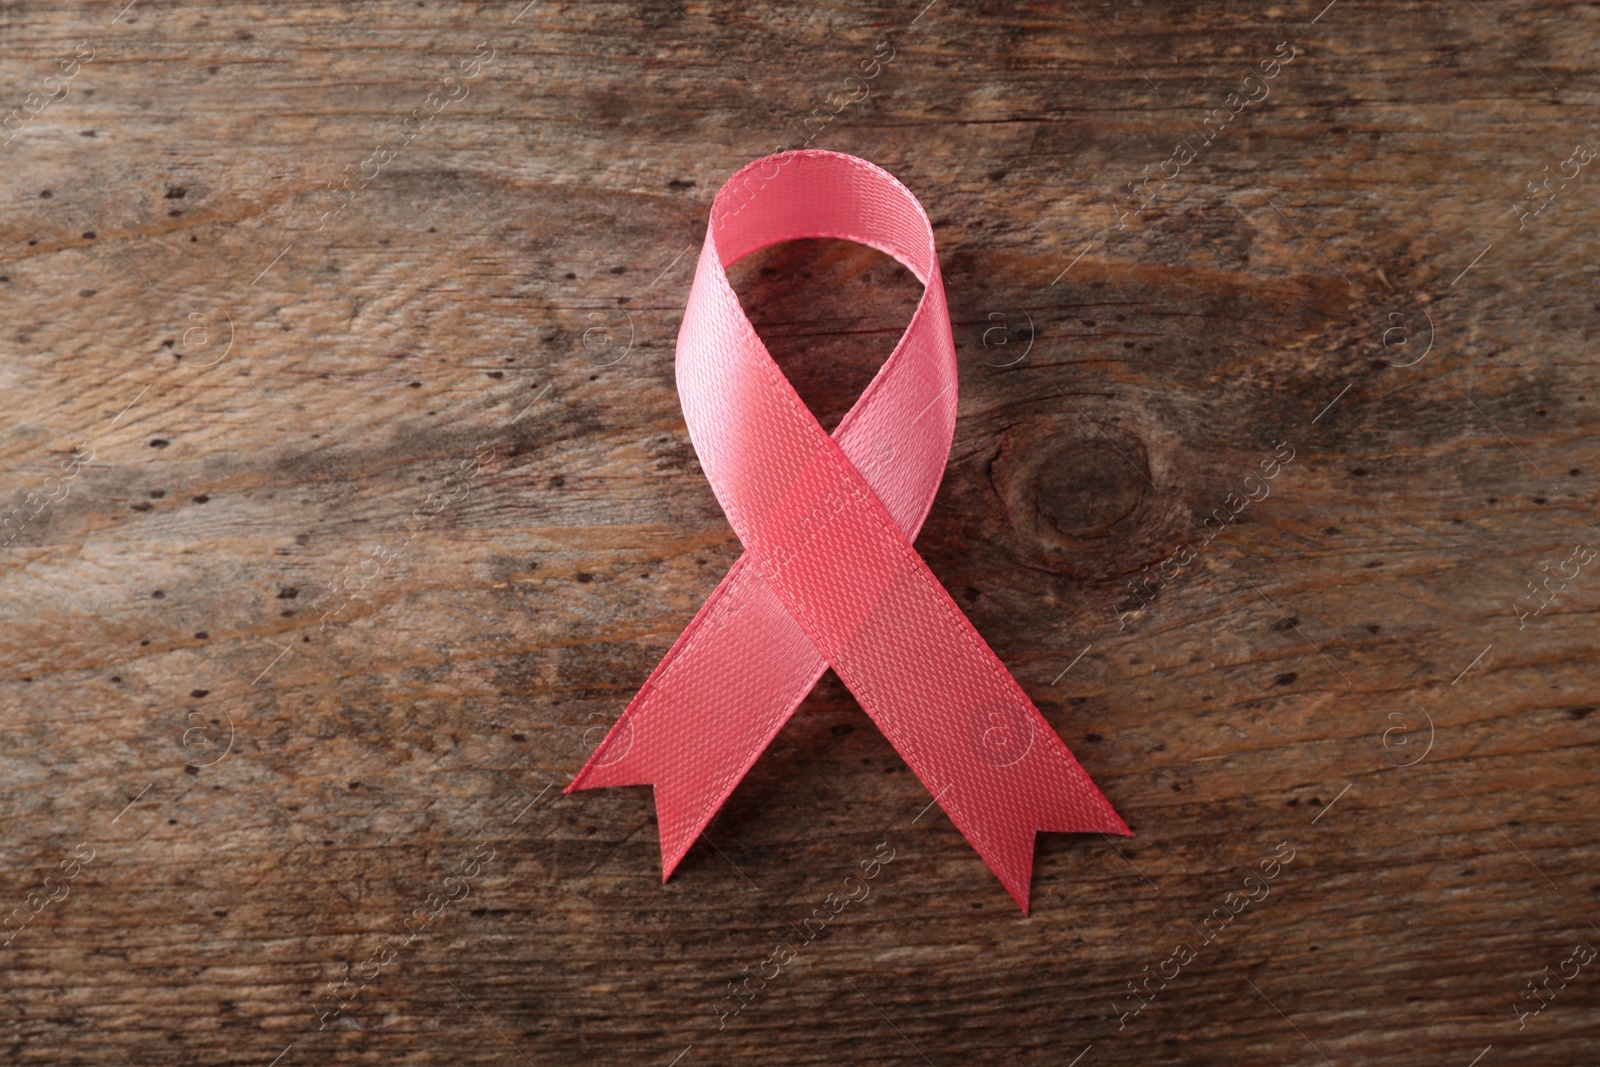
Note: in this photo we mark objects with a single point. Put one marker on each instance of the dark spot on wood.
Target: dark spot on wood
(201, 499)
(1078, 496)
(1287, 678)
(1093, 738)
(1372, 627)
(497, 374)
(557, 481)
(843, 729)
(584, 576)
(198, 693)
(1286, 624)
(159, 443)
(190, 768)
(89, 235)
(143, 506)
(176, 192)
(619, 270)
(157, 595)
(86, 293)
(288, 592)
(1579, 713)
(519, 737)
(202, 636)
(46, 195)
(1359, 472)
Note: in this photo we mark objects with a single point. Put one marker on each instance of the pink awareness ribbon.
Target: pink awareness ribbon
(829, 577)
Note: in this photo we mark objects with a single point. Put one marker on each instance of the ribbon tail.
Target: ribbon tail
(709, 709)
(1000, 811)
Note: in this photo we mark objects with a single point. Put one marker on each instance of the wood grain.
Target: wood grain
(384, 507)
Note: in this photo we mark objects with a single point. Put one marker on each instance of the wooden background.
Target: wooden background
(270, 778)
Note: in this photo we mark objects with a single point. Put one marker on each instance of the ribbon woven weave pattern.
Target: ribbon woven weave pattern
(829, 577)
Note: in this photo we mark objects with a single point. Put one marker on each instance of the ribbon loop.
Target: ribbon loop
(829, 576)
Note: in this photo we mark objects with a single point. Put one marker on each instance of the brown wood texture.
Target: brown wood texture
(342, 524)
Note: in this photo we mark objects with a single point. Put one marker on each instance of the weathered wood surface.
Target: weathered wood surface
(270, 778)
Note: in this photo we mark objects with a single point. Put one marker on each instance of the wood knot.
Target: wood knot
(1078, 494)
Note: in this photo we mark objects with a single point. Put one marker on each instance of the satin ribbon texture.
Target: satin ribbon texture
(829, 577)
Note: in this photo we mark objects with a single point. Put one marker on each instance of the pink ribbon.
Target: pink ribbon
(829, 577)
